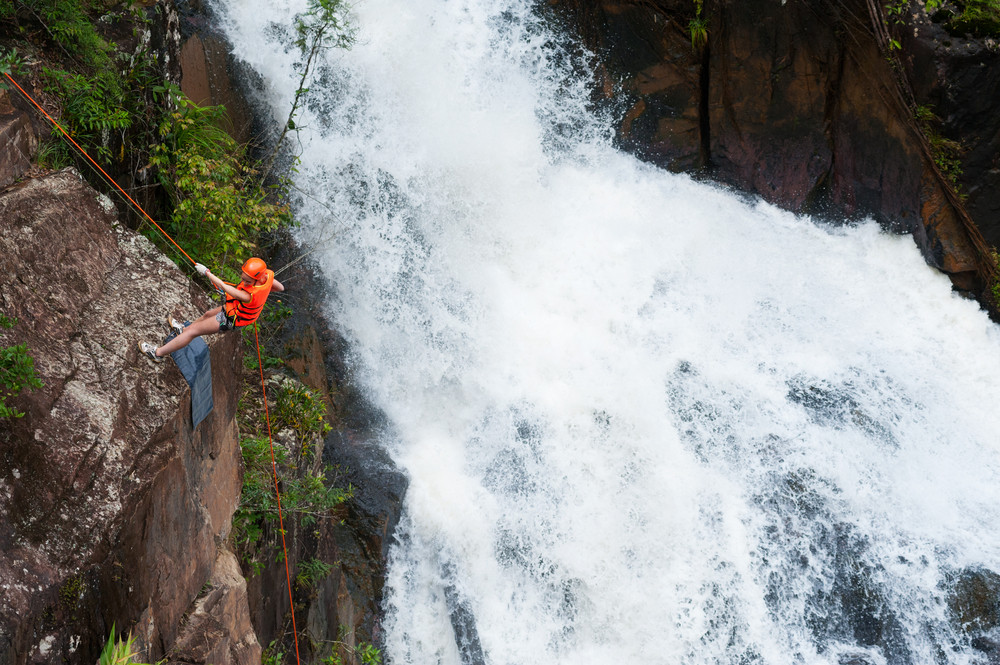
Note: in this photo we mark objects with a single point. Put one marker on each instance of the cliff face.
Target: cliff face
(795, 102)
(112, 510)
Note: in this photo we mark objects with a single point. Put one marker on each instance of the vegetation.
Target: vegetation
(219, 209)
(17, 372)
(947, 153)
(117, 651)
(698, 27)
(978, 18)
(307, 494)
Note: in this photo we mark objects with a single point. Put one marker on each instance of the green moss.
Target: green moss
(70, 592)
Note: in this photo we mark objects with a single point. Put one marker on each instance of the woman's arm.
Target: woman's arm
(230, 291)
(277, 286)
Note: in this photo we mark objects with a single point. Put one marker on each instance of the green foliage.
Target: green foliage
(896, 11)
(322, 26)
(301, 409)
(272, 655)
(306, 497)
(219, 209)
(368, 653)
(250, 359)
(698, 28)
(946, 152)
(54, 153)
(17, 372)
(68, 24)
(978, 18)
(312, 572)
(117, 652)
(92, 104)
(10, 62)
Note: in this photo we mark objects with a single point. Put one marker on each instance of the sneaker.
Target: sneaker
(150, 350)
(175, 325)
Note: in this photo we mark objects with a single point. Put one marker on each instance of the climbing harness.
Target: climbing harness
(260, 365)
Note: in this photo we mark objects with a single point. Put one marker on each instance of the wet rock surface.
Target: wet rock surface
(796, 103)
(111, 507)
(345, 607)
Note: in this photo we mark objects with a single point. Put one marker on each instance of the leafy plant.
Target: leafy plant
(312, 572)
(367, 652)
(219, 209)
(70, 27)
(322, 26)
(118, 652)
(17, 372)
(272, 655)
(10, 63)
(301, 409)
(698, 28)
(92, 103)
(307, 498)
(896, 11)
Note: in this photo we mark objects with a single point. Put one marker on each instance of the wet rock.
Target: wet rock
(975, 600)
(797, 103)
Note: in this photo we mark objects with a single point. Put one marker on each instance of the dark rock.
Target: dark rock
(975, 600)
(346, 606)
(797, 103)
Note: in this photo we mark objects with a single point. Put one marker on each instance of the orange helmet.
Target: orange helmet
(255, 267)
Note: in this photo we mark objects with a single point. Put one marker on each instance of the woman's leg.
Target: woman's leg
(206, 325)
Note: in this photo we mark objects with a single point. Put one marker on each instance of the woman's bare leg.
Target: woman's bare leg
(206, 325)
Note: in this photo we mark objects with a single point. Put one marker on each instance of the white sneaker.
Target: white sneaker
(175, 325)
(150, 351)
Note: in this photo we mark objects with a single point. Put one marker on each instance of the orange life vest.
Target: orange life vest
(245, 313)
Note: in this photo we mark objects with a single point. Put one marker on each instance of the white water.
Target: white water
(644, 420)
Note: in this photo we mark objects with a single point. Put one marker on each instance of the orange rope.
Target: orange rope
(260, 364)
(274, 472)
(96, 165)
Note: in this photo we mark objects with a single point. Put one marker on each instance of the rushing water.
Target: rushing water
(645, 420)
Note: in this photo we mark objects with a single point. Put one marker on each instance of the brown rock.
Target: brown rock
(218, 628)
(797, 103)
(18, 142)
(204, 64)
(111, 507)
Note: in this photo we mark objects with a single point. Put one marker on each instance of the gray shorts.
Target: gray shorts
(225, 322)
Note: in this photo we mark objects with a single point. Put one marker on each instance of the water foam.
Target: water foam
(645, 420)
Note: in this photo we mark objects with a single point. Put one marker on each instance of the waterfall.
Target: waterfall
(645, 419)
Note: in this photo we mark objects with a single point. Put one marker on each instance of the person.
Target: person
(244, 303)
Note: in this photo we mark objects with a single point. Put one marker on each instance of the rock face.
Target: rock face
(344, 609)
(112, 509)
(795, 102)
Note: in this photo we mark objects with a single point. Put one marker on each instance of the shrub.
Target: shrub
(17, 372)
(220, 211)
